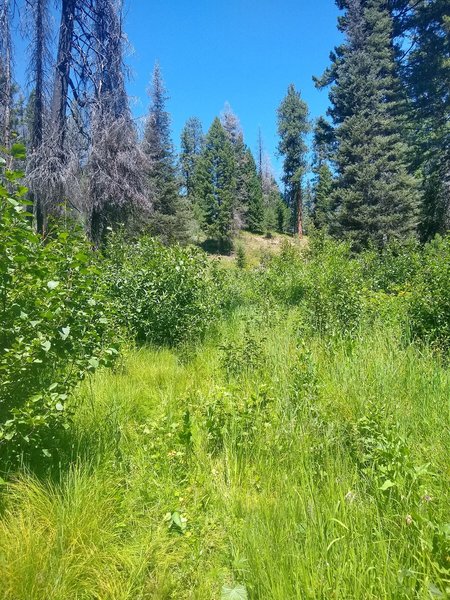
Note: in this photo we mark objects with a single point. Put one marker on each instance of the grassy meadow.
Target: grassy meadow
(270, 461)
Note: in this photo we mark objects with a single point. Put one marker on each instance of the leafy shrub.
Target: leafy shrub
(430, 294)
(230, 414)
(54, 326)
(164, 295)
(239, 356)
(334, 289)
(392, 269)
(324, 281)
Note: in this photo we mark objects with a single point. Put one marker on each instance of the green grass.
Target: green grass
(245, 462)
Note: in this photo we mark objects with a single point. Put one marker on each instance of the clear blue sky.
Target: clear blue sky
(245, 52)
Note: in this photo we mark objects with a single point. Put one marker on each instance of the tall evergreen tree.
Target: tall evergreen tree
(322, 214)
(158, 146)
(423, 28)
(171, 219)
(293, 125)
(215, 186)
(192, 140)
(251, 196)
(249, 212)
(376, 198)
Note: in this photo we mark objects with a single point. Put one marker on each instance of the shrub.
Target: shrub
(430, 295)
(164, 295)
(54, 326)
(241, 259)
(392, 269)
(325, 281)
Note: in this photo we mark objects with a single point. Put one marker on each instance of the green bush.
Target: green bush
(430, 295)
(54, 330)
(324, 281)
(392, 269)
(163, 295)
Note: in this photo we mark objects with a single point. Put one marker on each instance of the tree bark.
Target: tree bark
(6, 75)
(299, 209)
(62, 72)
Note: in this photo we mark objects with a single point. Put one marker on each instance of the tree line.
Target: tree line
(378, 169)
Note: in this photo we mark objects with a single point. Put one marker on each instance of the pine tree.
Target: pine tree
(322, 216)
(38, 28)
(249, 212)
(293, 125)
(423, 28)
(251, 194)
(215, 186)
(159, 149)
(192, 140)
(322, 213)
(171, 219)
(115, 165)
(376, 199)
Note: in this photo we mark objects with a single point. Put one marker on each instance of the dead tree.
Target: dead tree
(115, 170)
(6, 84)
(37, 27)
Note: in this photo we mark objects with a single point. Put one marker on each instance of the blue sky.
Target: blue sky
(245, 52)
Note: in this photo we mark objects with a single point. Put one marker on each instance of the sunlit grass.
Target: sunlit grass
(281, 505)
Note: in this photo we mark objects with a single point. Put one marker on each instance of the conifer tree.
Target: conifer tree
(376, 199)
(171, 219)
(423, 28)
(293, 125)
(161, 170)
(322, 215)
(249, 212)
(192, 140)
(215, 186)
(115, 190)
(251, 194)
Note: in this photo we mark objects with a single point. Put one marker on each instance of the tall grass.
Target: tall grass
(259, 459)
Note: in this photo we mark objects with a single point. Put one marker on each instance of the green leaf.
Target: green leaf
(238, 592)
(435, 591)
(18, 151)
(46, 346)
(64, 333)
(94, 362)
(386, 485)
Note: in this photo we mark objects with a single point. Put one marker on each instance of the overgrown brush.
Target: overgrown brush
(55, 327)
(161, 295)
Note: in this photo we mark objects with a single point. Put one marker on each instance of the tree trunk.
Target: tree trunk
(299, 209)
(38, 108)
(6, 76)
(62, 73)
